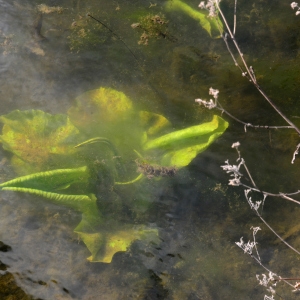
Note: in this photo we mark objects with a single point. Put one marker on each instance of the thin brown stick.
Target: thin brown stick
(280, 195)
(279, 279)
(249, 124)
(269, 226)
(247, 170)
(260, 263)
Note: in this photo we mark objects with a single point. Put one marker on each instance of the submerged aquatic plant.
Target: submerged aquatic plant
(35, 138)
(95, 148)
(209, 21)
(153, 26)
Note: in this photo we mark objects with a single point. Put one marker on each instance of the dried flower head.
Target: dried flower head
(246, 247)
(214, 92)
(208, 104)
(296, 287)
(255, 205)
(255, 229)
(264, 281)
(294, 5)
(211, 103)
(269, 297)
(210, 6)
(235, 145)
(234, 170)
(202, 5)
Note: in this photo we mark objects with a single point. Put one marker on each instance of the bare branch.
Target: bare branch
(250, 74)
(234, 19)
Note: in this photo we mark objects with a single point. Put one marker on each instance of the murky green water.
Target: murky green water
(45, 63)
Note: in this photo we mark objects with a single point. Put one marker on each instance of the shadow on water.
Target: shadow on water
(45, 63)
(8, 286)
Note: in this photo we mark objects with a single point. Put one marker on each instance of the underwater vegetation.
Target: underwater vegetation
(85, 32)
(88, 34)
(213, 26)
(153, 26)
(79, 159)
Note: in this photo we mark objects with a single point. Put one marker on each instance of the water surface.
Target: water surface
(198, 217)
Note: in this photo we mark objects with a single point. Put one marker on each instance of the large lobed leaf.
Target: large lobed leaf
(99, 106)
(33, 136)
(104, 245)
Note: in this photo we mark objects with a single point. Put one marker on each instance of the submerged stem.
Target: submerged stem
(111, 146)
(131, 181)
(116, 35)
(100, 140)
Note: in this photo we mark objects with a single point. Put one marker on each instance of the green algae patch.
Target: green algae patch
(153, 27)
(86, 34)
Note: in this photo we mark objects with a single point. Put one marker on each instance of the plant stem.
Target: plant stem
(251, 74)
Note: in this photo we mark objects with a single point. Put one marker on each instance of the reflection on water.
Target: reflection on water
(45, 63)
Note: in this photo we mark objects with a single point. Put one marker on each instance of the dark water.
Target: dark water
(46, 63)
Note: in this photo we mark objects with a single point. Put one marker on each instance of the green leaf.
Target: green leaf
(72, 201)
(103, 246)
(33, 136)
(49, 180)
(91, 217)
(180, 147)
(109, 114)
(212, 25)
(99, 106)
(44, 183)
(153, 123)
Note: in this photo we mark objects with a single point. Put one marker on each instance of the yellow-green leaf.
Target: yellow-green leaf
(99, 106)
(50, 180)
(103, 246)
(180, 147)
(33, 136)
(153, 123)
(46, 184)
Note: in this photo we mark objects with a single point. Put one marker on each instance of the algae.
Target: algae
(153, 27)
